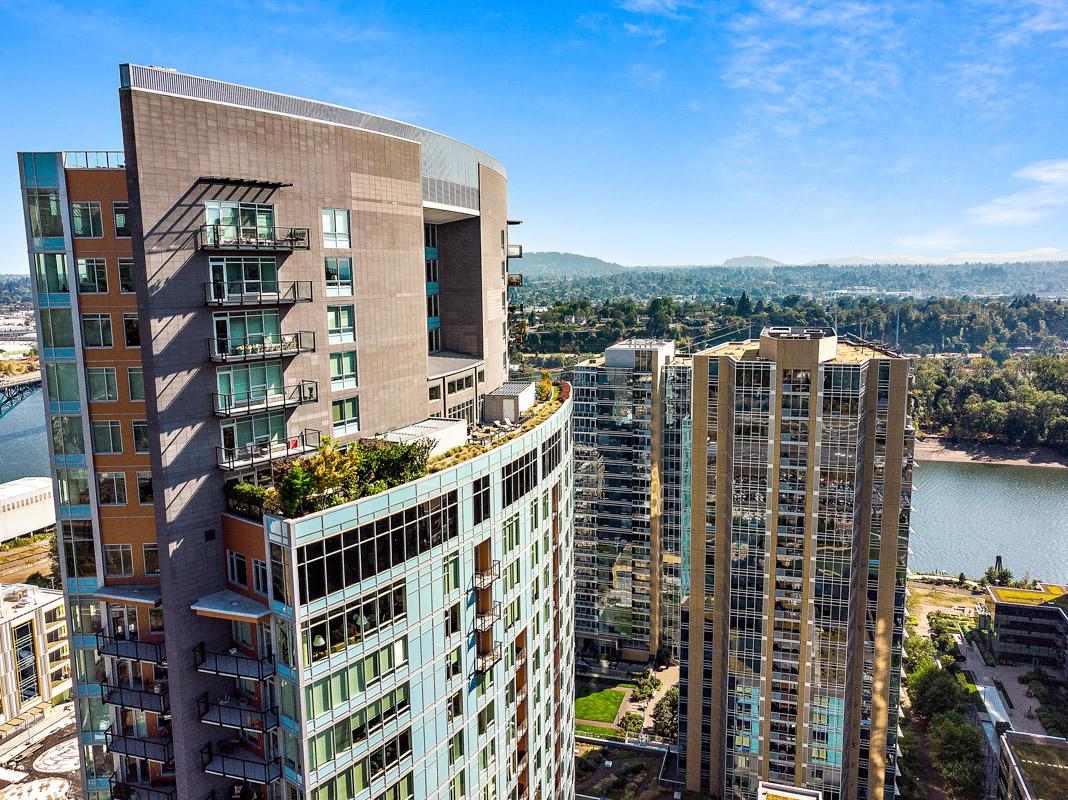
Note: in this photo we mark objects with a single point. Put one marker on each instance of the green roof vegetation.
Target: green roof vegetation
(1046, 593)
(1044, 767)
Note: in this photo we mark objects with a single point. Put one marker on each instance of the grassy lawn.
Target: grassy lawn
(600, 731)
(598, 705)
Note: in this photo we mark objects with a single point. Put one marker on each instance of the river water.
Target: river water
(964, 516)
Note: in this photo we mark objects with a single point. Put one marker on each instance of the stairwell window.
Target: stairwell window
(126, 276)
(346, 416)
(341, 322)
(122, 226)
(131, 330)
(336, 228)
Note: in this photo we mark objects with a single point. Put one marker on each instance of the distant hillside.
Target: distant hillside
(751, 261)
(560, 264)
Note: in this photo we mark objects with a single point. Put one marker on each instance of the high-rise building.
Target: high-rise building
(792, 629)
(624, 605)
(251, 274)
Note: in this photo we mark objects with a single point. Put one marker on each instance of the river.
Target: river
(965, 514)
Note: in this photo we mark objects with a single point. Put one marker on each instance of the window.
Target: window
(107, 436)
(464, 410)
(341, 322)
(433, 306)
(92, 275)
(519, 477)
(122, 226)
(135, 380)
(77, 549)
(453, 664)
(482, 500)
(435, 392)
(62, 381)
(336, 227)
(346, 416)
(67, 438)
(131, 330)
(150, 554)
(144, 488)
(85, 220)
(452, 620)
(241, 632)
(229, 221)
(111, 488)
(236, 568)
(57, 328)
(433, 340)
(51, 270)
(96, 330)
(46, 220)
(432, 271)
(430, 235)
(140, 435)
(101, 383)
(126, 276)
(118, 560)
(338, 276)
(460, 384)
(341, 627)
(343, 370)
(259, 576)
(452, 574)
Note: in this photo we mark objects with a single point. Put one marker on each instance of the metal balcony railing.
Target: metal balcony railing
(232, 663)
(240, 765)
(257, 454)
(485, 621)
(257, 293)
(515, 251)
(123, 790)
(232, 714)
(484, 661)
(158, 749)
(133, 649)
(260, 346)
(237, 404)
(155, 700)
(484, 578)
(252, 237)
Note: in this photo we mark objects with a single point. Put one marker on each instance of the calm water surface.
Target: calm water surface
(967, 514)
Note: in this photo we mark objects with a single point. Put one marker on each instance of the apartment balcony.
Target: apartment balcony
(484, 578)
(260, 346)
(123, 790)
(257, 293)
(263, 238)
(237, 404)
(231, 761)
(232, 663)
(258, 454)
(515, 280)
(133, 649)
(485, 621)
(515, 251)
(484, 662)
(236, 714)
(158, 749)
(155, 700)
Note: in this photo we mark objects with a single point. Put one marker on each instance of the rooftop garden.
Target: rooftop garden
(336, 474)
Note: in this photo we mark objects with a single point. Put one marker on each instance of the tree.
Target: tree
(744, 308)
(632, 722)
(933, 690)
(998, 577)
(666, 714)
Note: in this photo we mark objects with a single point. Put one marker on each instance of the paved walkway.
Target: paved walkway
(1017, 692)
(669, 677)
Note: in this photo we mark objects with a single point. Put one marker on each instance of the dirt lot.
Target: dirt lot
(924, 598)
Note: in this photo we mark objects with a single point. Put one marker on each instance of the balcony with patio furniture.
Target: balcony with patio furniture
(262, 238)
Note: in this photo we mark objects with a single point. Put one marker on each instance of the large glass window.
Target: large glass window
(107, 436)
(111, 488)
(236, 568)
(92, 275)
(336, 227)
(338, 276)
(46, 219)
(234, 276)
(73, 486)
(247, 332)
(346, 416)
(244, 384)
(62, 380)
(118, 560)
(101, 383)
(238, 222)
(67, 436)
(25, 659)
(79, 552)
(57, 328)
(85, 220)
(239, 435)
(96, 330)
(341, 321)
(51, 273)
(122, 226)
(343, 370)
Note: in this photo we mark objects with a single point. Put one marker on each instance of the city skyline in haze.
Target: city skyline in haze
(643, 131)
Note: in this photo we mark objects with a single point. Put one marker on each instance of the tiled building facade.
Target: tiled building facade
(251, 274)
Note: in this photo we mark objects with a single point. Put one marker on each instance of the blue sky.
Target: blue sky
(640, 131)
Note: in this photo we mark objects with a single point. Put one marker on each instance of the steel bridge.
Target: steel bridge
(14, 388)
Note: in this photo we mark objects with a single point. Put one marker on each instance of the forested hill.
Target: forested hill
(553, 264)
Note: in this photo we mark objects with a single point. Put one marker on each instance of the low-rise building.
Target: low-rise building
(26, 507)
(34, 654)
(1032, 767)
(1030, 626)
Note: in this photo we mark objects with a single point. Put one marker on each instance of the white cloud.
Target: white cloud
(1049, 192)
(646, 77)
(939, 239)
(671, 9)
(655, 35)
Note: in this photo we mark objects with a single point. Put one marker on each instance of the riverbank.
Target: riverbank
(935, 449)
